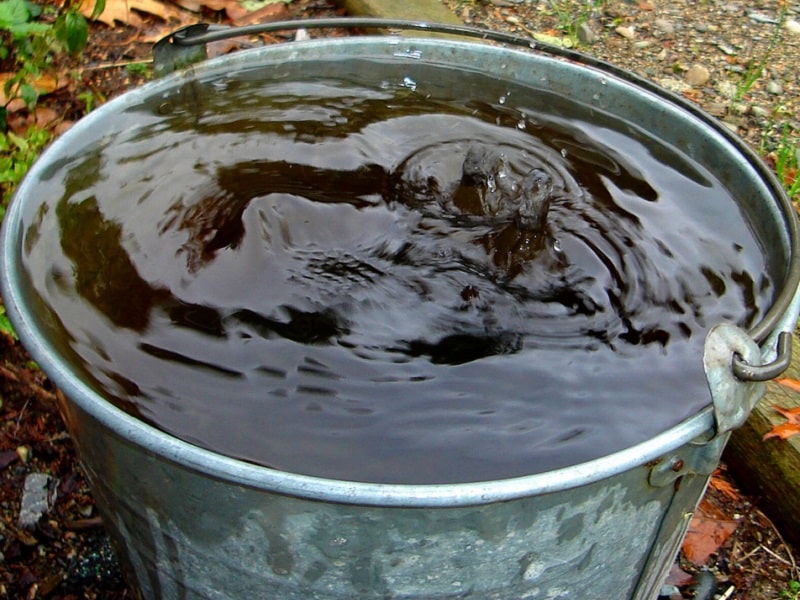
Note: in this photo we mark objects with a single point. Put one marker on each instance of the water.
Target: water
(389, 282)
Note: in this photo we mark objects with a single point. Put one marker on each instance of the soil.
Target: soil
(703, 50)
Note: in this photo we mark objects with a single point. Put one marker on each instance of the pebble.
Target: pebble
(726, 49)
(664, 26)
(727, 89)
(740, 108)
(759, 111)
(586, 35)
(697, 75)
(761, 18)
(773, 87)
(627, 32)
(674, 85)
(717, 109)
(792, 26)
(38, 496)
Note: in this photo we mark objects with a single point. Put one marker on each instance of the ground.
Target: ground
(704, 51)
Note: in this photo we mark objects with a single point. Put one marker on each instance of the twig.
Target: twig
(728, 593)
(81, 524)
(776, 557)
(114, 65)
(749, 554)
(786, 547)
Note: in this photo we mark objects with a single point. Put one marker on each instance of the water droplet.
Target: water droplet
(502, 100)
(409, 83)
(521, 124)
(557, 246)
(602, 81)
(564, 152)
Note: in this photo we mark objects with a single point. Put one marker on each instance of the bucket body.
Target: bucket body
(190, 523)
(183, 533)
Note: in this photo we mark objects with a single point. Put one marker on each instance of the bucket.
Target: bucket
(192, 523)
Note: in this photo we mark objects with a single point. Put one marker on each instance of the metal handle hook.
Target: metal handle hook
(747, 372)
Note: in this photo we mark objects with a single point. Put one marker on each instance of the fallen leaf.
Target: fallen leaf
(790, 383)
(785, 430)
(267, 14)
(45, 84)
(198, 5)
(724, 487)
(708, 530)
(7, 457)
(678, 577)
(792, 414)
(122, 11)
(45, 117)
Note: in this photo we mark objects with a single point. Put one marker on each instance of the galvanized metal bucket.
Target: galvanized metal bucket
(190, 523)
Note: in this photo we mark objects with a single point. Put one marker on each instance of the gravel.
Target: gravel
(737, 60)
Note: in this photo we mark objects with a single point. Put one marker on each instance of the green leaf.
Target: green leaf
(21, 30)
(72, 31)
(5, 325)
(13, 12)
(99, 7)
(28, 94)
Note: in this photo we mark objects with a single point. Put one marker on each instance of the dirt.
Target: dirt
(66, 554)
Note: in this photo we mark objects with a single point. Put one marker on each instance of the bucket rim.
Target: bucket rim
(212, 464)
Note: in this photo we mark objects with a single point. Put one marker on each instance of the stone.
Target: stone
(759, 111)
(664, 26)
(674, 85)
(627, 32)
(38, 496)
(697, 75)
(774, 88)
(792, 26)
(586, 34)
(727, 89)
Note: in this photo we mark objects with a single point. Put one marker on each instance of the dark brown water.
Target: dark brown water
(390, 282)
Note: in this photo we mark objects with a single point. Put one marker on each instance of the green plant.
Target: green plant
(792, 592)
(5, 325)
(32, 43)
(139, 68)
(787, 163)
(756, 69)
(571, 14)
(17, 153)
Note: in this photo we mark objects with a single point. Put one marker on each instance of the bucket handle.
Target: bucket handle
(749, 372)
(186, 45)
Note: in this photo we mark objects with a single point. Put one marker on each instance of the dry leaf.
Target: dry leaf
(788, 429)
(267, 14)
(790, 383)
(45, 84)
(123, 11)
(199, 5)
(784, 431)
(724, 487)
(709, 529)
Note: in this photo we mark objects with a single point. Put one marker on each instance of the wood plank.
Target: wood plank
(770, 469)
